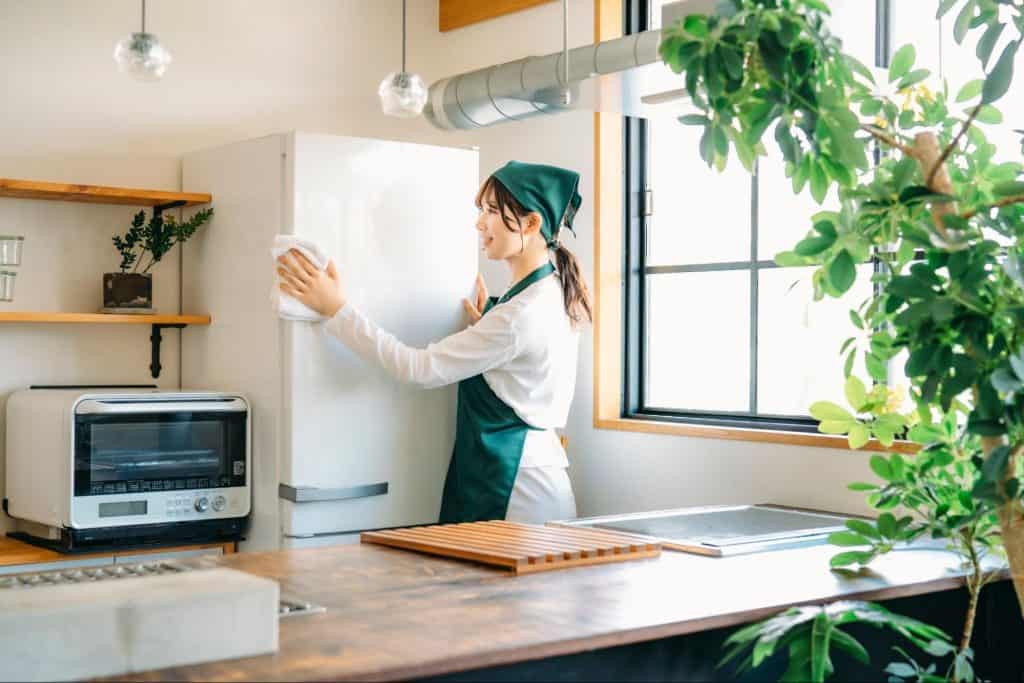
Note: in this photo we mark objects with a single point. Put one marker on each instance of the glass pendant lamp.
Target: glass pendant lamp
(402, 94)
(142, 55)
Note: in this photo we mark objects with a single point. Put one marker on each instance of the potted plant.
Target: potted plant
(131, 289)
(941, 213)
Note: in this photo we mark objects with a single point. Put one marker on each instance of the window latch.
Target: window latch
(648, 202)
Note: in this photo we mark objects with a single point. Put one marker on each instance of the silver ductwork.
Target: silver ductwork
(624, 75)
(529, 87)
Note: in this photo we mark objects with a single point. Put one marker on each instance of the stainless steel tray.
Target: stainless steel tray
(722, 530)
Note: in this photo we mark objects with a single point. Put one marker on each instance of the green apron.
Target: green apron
(489, 439)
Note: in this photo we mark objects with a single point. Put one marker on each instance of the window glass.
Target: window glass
(700, 215)
(798, 340)
(698, 341)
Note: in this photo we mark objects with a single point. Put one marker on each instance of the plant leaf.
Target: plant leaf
(842, 272)
(901, 669)
(858, 436)
(880, 466)
(851, 557)
(963, 21)
(850, 645)
(812, 246)
(847, 538)
(944, 7)
(989, 115)
(998, 81)
(901, 62)
(820, 632)
(988, 41)
(970, 90)
(694, 120)
(835, 426)
(1004, 381)
(913, 78)
(1008, 189)
(856, 394)
(826, 410)
(862, 527)
(887, 525)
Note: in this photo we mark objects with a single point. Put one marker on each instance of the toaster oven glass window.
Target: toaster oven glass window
(158, 452)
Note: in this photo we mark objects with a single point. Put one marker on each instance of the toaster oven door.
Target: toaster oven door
(139, 452)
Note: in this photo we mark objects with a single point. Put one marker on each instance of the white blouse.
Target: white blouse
(526, 349)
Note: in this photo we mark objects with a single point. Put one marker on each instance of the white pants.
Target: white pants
(541, 494)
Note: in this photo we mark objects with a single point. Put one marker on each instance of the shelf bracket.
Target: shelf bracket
(160, 208)
(155, 339)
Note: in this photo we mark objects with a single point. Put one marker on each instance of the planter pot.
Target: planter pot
(127, 293)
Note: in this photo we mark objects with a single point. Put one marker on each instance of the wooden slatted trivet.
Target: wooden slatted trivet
(523, 548)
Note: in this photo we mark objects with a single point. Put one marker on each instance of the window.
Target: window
(716, 332)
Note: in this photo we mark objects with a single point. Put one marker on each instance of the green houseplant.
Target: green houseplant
(941, 214)
(131, 289)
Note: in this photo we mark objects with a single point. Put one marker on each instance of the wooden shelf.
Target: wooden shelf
(98, 194)
(103, 318)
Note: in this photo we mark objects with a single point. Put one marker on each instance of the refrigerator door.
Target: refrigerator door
(398, 219)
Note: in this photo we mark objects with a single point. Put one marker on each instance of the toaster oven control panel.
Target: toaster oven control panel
(199, 503)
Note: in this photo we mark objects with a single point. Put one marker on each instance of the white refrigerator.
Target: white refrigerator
(338, 447)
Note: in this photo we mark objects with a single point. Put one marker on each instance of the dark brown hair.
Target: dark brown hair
(575, 294)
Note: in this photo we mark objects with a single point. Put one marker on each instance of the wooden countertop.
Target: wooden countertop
(395, 614)
(15, 552)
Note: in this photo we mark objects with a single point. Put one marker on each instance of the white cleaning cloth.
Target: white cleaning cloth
(284, 305)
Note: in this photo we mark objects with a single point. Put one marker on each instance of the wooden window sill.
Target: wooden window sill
(738, 434)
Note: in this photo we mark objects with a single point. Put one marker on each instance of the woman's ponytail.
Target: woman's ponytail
(574, 288)
(575, 294)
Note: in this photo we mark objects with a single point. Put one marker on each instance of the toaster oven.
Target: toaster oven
(129, 466)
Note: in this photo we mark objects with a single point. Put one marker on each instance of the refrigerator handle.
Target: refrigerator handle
(313, 494)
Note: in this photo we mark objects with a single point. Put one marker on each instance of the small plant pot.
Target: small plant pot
(127, 293)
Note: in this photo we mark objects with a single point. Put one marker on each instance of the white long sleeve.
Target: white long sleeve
(526, 349)
(488, 344)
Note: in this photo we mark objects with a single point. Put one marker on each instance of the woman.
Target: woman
(515, 364)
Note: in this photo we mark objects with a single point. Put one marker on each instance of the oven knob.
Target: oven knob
(219, 502)
(202, 504)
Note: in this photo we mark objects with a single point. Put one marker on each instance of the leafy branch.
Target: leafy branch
(887, 139)
(952, 145)
(155, 238)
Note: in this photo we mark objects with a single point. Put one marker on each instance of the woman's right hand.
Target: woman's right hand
(318, 289)
(475, 308)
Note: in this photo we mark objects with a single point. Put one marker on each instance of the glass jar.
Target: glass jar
(7, 285)
(10, 250)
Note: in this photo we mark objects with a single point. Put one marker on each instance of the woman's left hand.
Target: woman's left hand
(318, 289)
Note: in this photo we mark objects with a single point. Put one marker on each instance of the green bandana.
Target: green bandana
(549, 190)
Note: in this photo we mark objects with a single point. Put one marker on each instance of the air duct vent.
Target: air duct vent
(624, 75)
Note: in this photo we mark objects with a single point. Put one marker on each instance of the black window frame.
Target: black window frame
(636, 14)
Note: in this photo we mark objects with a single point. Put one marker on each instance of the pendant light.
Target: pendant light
(565, 91)
(142, 55)
(402, 94)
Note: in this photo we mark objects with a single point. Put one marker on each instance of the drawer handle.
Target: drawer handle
(313, 494)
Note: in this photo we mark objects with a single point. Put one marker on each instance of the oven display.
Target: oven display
(123, 509)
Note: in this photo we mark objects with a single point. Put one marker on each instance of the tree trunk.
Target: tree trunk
(1011, 519)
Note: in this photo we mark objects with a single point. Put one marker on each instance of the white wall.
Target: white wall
(247, 68)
